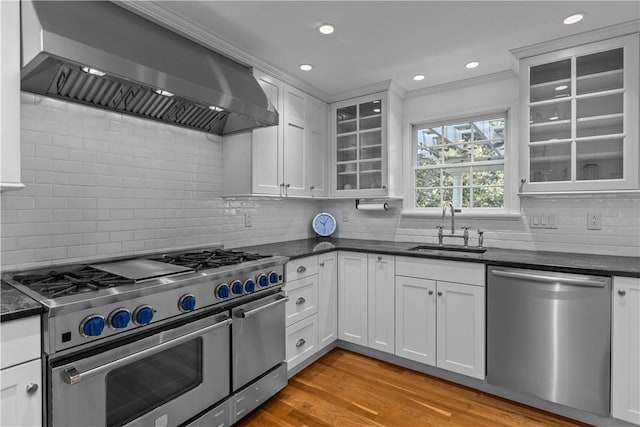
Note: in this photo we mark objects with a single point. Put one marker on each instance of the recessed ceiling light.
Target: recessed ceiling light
(306, 67)
(573, 18)
(418, 77)
(326, 29)
(472, 64)
(562, 87)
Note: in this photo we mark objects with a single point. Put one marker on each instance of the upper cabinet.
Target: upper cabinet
(580, 118)
(10, 96)
(288, 160)
(366, 138)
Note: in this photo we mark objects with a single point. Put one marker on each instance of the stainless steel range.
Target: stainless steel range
(192, 337)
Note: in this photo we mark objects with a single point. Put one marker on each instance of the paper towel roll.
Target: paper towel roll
(373, 207)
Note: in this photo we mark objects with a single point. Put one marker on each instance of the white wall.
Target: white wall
(102, 184)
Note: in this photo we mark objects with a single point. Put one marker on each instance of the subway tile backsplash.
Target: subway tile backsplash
(100, 184)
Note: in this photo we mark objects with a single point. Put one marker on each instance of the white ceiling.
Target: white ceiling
(376, 41)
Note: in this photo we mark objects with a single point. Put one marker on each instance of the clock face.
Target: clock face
(324, 224)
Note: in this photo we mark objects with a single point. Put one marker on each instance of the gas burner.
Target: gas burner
(53, 284)
(208, 258)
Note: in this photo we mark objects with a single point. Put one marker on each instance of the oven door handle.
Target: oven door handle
(244, 314)
(72, 376)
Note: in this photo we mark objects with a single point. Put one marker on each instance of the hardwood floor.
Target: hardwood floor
(347, 389)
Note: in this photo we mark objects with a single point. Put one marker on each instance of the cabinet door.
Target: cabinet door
(380, 307)
(21, 395)
(460, 339)
(266, 143)
(352, 297)
(295, 142)
(327, 299)
(318, 154)
(415, 316)
(625, 381)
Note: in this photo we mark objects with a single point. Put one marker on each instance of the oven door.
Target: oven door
(158, 380)
(258, 338)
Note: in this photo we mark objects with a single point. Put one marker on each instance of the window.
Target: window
(460, 161)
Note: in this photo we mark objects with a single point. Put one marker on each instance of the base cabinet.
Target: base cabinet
(440, 314)
(380, 309)
(327, 299)
(352, 297)
(625, 351)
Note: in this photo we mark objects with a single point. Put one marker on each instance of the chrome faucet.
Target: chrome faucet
(453, 211)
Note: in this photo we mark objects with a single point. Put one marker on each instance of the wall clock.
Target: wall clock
(324, 224)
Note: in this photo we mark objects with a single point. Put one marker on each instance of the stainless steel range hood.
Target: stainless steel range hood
(99, 54)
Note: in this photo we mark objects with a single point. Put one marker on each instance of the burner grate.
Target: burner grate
(210, 258)
(53, 284)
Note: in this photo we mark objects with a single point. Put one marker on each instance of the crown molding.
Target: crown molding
(459, 84)
(158, 12)
(599, 34)
(368, 90)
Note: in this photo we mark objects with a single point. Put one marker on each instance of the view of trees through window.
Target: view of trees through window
(460, 162)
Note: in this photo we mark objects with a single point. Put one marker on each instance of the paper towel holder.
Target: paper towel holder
(372, 201)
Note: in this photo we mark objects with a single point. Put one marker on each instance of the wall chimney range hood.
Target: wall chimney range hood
(99, 54)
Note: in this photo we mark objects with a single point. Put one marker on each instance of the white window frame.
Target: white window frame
(511, 208)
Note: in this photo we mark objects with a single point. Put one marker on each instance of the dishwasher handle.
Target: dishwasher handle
(573, 281)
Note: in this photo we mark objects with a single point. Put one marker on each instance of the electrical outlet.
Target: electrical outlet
(594, 221)
(248, 221)
(345, 215)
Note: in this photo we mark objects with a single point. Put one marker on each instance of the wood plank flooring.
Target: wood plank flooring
(347, 389)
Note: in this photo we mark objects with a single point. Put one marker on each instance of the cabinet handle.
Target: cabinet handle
(322, 264)
(430, 292)
(622, 292)
(439, 294)
(301, 269)
(32, 388)
(300, 301)
(301, 342)
(379, 258)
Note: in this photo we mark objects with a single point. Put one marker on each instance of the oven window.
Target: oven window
(135, 389)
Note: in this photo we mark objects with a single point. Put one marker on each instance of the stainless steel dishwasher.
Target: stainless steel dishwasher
(549, 334)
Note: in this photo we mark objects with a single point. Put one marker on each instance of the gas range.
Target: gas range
(88, 304)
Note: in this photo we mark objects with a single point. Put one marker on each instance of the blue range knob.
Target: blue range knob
(92, 326)
(119, 318)
(187, 302)
(273, 277)
(263, 280)
(222, 291)
(249, 286)
(143, 315)
(236, 287)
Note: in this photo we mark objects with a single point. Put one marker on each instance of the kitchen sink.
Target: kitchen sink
(453, 248)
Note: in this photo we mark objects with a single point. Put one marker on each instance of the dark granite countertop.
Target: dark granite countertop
(556, 261)
(16, 305)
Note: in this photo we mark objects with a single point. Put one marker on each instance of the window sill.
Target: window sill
(437, 213)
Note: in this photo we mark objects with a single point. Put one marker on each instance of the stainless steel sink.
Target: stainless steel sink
(453, 248)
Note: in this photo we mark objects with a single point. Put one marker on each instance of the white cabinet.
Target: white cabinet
(625, 353)
(284, 160)
(366, 142)
(327, 299)
(580, 118)
(21, 374)
(380, 307)
(365, 295)
(10, 95)
(352, 297)
(440, 314)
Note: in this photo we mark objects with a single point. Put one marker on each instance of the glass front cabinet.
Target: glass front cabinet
(361, 129)
(580, 118)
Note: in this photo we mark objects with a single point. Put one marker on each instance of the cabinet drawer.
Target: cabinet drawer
(303, 299)
(302, 267)
(435, 269)
(20, 340)
(302, 340)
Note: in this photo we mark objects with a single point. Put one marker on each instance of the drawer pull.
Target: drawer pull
(300, 300)
(439, 294)
(301, 342)
(301, 269)
(622, 292)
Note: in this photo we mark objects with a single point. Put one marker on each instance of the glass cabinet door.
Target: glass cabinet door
(576, 128)
(359, 147)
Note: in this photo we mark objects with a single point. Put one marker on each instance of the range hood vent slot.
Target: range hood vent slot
(209, 92)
